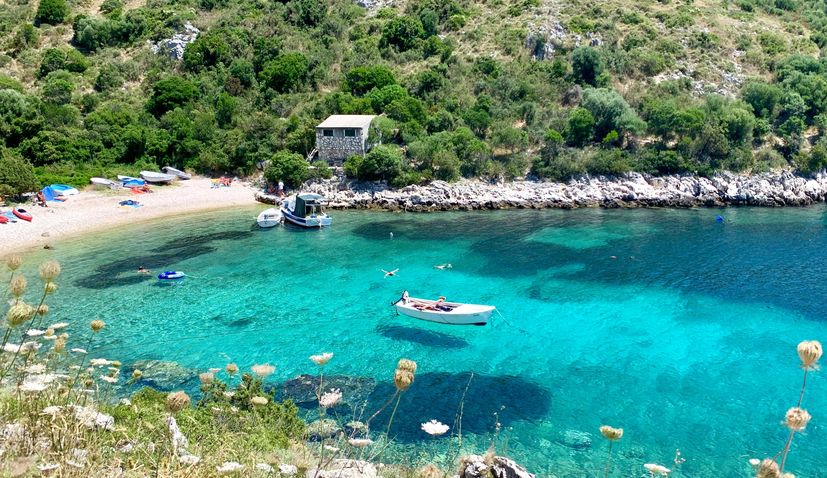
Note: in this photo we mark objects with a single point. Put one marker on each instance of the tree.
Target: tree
(58, 88)
(287, 73)
(580, 127)
(362, 79)
(403, 32)
(382, 162)
(170, 93)
(762, 97)
(207, 50)
(307, 13)
(611, 112)
(52, 12)
(288, 167)
(382, 97)
(586, 65)
(16, 175)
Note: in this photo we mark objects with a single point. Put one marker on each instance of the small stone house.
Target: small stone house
(340, 136)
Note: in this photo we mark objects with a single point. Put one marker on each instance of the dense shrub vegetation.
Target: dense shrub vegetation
(457, 88)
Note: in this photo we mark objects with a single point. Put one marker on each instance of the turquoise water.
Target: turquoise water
(675, 327)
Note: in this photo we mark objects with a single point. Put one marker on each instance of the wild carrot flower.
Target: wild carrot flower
(35, 332)
(14, 262)
(60, 344)
(59, 325)
(36, 368)
(610, 433)
(232, 368)
(434, 428)
(97, 325)
(50, 288)
(288, 470)
(214, 370)
(109, 379)
(360, 442)
(99, 362)
(655, 469)
(18, 286)
(206, 378)
(42, 309)
(797, 419)
(78, 351)
(189, 459)
(177, 401)
(259, 401)
(263, 370)
(809, 351)
(18, 314)
(768, 469)
(321, 359)
(49, 270)
(331, 398)
(403, 376)
(229, 467)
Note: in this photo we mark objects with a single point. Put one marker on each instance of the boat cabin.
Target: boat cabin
(308, 205)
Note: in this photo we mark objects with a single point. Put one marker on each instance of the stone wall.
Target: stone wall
(334, 149)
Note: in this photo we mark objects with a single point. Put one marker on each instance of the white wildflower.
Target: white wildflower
(11, 348)
(214, 370)
(36, 368)
(229, 467)
(330, 398)
(99, 362)
(52, 410)
(35, 332)
(188, 459)
(48, 467)
(29, 347)
(321, 359)
(229, 394)
(32, 387)
(288, 470)
(331, 448)
(59, 325)
(263, 370)
(109, 379)
(434, 428)
(50, 337)
(79, 351)
(264, 467)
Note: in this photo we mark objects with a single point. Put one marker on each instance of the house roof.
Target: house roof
(347, 121)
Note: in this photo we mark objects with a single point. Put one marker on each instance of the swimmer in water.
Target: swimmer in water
(143, 270)
(389, 273)
(442, 267)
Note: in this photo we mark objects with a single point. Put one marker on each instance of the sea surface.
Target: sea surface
(678, 328)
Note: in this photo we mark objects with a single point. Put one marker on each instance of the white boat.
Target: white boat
(306, 210)
(176, 172)
(105, 182)
(269, 218)
(153, 177)
(451, 313)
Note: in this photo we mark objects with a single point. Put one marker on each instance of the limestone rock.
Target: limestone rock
(174, 47)
(474, 466)
(343, 468)
(575, 439)
(163, 375)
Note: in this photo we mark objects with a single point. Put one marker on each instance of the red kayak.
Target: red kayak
(22, 214)
(3, 219)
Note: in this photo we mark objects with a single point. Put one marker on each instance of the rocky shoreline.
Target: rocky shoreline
(633, 190)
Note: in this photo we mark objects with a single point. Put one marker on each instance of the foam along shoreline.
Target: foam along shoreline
(93, 210)
(773, 189)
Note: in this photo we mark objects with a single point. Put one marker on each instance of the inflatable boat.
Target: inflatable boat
(171, 275)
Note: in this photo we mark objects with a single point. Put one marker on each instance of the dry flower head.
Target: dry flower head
(177, 401)
(611, 433)
(17, 286)
(263, 370)
(231, 368)
(14, 262)
(19, 313)
(796, 419)
(49, 270)
(97, 325)
(321, 359)
(809, 351)
(768, 469)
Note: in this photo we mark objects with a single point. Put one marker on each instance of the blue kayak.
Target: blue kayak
(171, 275)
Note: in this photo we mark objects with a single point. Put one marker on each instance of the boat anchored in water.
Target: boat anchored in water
(306, 210)
(440, 311)
(269, 218)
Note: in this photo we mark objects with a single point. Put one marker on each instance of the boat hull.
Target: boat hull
(312, 221)
(176, 172)
(104, 182)
(269, 218)
(462, 314)
(153, 177)
(171, 275)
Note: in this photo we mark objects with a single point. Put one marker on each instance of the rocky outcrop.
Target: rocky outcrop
(343, 468)
(174, 46)
(629, 191)
(163, 375)
(475, 466)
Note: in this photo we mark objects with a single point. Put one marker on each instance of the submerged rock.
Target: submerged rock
(325, 428)
(303, 389)
(474, 466)
(163, 375)
(575, 439)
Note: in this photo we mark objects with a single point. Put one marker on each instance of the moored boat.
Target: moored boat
(153, 177)
(306, 210)
(269, 218)
(22, 214)
(440, 311)
(175, 172)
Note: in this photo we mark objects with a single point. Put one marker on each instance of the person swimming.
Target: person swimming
(389, 273)
(143, 270)
(442, 267)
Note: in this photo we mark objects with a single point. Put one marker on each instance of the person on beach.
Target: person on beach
(281, 188)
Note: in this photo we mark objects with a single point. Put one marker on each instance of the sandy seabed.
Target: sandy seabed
(95, 209)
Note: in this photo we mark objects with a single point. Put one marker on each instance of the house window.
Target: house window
(327, 132)
(350, 133)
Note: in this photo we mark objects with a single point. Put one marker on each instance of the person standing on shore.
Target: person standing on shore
(281, 188)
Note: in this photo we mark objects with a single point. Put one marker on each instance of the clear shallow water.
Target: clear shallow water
(686, 338)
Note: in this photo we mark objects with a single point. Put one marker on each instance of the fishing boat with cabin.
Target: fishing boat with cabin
(306, 210)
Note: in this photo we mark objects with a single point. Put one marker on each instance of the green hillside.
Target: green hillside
(501, 88)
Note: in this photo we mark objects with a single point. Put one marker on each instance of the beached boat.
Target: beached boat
(306, 210)
(153, 177)
(452, 313)
(269, 218)
(22, 214)
(64, 190)
(176, 172)
(3, 219)
(104, 182)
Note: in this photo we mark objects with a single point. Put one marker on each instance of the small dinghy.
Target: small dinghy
(171, 275)
(451, 313)
(153, 177)
(4, 220)
(176, 172)
(104, 183)
(64, 190)
(22, 214)
(269, 218)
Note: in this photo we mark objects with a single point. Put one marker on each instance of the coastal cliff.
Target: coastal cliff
(631, 190)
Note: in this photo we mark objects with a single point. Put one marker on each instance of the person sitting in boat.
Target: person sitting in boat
(439, 305)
